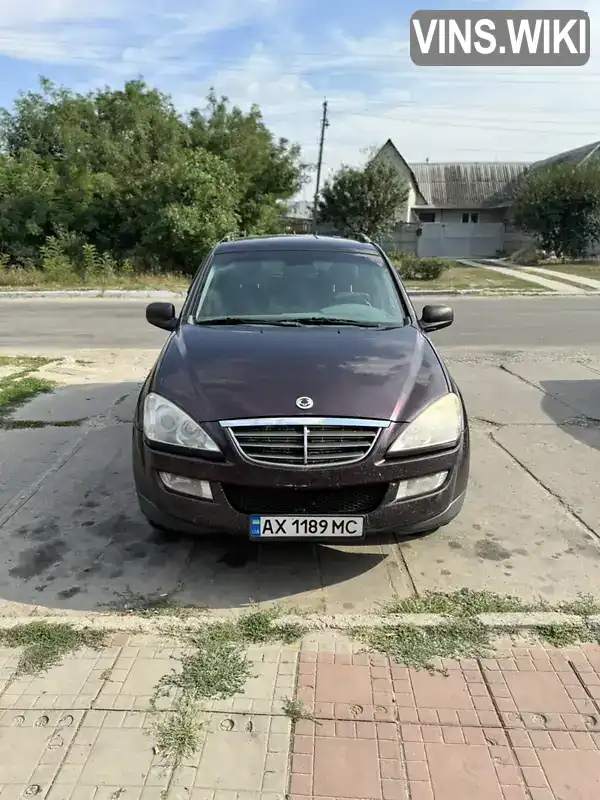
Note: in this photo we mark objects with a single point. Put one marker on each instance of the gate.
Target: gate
(461, 240)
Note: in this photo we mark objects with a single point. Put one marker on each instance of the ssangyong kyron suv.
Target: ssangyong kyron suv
(299, 397)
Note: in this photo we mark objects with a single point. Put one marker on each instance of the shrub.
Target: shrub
(528, 256)
(56, 264)
(413, 268)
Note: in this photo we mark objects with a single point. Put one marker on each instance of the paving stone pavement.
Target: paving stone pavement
(524, 725)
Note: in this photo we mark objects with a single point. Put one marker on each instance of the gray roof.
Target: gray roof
(576, 156)
(465, 185)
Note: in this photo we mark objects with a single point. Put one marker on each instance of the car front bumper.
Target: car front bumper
(368, 489)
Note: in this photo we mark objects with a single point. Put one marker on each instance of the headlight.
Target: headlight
(165, 423)
(440, 425)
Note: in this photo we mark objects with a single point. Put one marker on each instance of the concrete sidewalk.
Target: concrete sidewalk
(318, 720)
(514, 272)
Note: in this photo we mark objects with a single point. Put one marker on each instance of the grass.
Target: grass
(419, 647)
(152, 605)
(215, 668)
(31, 280)
(459, 278)
(569, 271)
(582, 269)
(35, 424)
(295, 710)
(25, 362)
(469, 603)
(20, 386)
(456, 277)
(45, 644)
(462, 635)
(15, 392)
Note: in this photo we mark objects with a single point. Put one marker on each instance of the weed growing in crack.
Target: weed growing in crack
(215, 668)
(15, 391)
(418, 647)
(463, 635)
(257, 628)
(295, 710)
(179, 731)
(45, 644)
(562, 635)
(462, 603)
(22, 385)
(585, 606)
(29, 363)
(31, 424)
(153, 605)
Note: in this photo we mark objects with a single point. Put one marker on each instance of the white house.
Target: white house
(461, 209)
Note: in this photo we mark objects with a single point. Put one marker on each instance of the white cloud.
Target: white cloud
(373, 89)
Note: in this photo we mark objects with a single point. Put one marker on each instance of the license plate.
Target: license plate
(306, 527)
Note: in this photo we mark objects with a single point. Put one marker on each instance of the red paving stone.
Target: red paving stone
(522, 727)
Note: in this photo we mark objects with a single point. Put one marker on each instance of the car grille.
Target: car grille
(342, 500)
(305, 445)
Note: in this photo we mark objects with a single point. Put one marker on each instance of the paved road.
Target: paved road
(71, 534)
(522, 322)
(72, 537)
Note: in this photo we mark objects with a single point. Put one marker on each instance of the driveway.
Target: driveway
(73, 538)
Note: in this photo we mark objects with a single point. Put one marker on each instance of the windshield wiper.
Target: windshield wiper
(331, 321)
(242, 321)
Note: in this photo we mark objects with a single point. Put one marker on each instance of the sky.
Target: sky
(287, 56)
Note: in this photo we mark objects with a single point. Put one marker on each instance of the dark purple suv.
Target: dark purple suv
(299, 397)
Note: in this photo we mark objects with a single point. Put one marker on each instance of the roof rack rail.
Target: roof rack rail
(362, 237)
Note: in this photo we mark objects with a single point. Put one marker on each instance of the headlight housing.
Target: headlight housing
(166, 423)
(439, 425)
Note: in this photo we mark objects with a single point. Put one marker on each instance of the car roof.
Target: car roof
(295, 242)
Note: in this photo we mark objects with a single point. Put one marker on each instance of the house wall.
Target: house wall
(454, 215)
(389, 156)
(403, 239)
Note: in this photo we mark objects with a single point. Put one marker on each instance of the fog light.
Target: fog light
(416, 486)
(190, 486)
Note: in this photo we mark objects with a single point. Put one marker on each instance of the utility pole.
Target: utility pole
(324, 126)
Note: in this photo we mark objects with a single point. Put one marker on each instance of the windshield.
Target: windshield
(300, 285)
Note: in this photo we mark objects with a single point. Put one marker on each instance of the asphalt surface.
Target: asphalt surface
(104, 323)
(72, 536)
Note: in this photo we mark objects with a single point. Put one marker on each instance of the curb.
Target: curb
(486, 293)
(168, 295)
(339, 622)
(94, 293)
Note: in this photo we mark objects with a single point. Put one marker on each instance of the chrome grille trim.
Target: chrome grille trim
(304, 442)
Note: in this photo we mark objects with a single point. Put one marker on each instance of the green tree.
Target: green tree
(121, 172)
(187, 204)
(269, 170)
(363, 200)
(560, 207)
(28, 198)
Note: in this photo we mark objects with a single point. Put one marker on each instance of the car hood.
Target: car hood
(231, 372)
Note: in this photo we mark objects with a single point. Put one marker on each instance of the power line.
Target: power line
(324, 126)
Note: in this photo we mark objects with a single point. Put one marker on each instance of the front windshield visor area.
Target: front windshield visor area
(292, 285)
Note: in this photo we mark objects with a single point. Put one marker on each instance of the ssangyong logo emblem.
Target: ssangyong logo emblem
(304, 402)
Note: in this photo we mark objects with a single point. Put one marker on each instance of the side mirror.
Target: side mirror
(434, 318)
(162, 315)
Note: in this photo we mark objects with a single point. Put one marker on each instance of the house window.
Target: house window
(427, 216)
(475, 217)
(465, 217)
